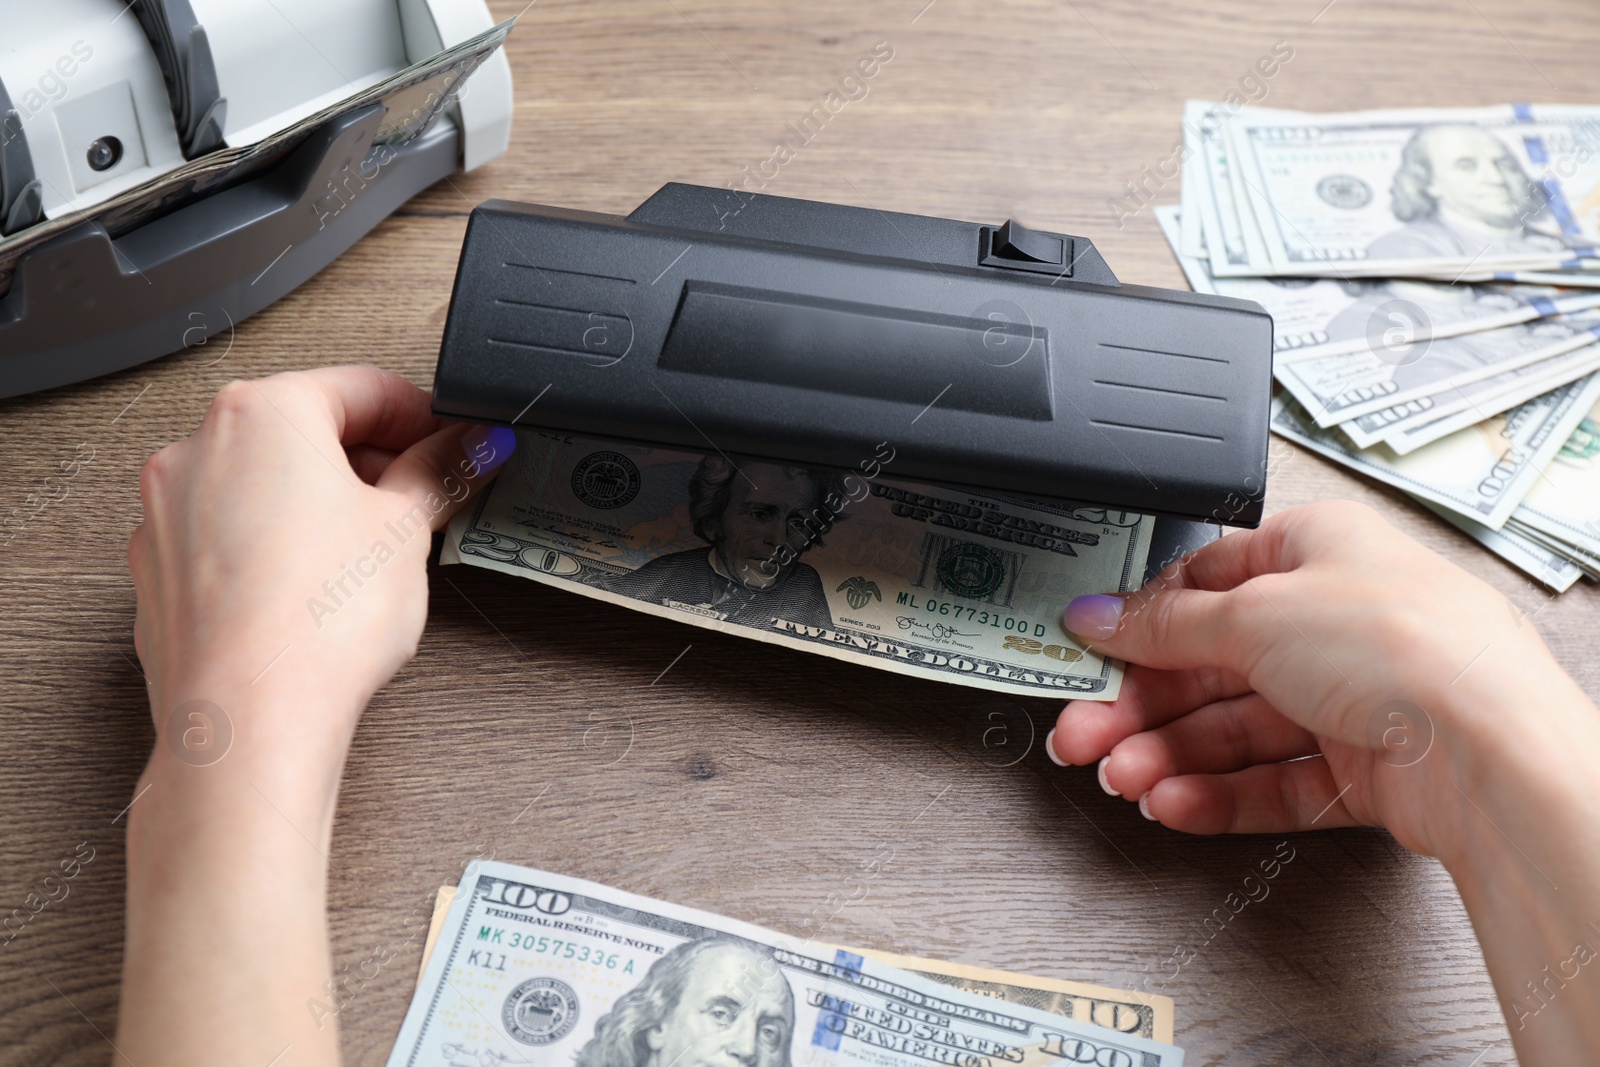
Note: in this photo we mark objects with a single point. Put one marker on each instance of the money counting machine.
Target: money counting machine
(993, 357)
(168, 167)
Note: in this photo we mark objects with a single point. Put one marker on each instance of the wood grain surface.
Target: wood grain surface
(539, 728)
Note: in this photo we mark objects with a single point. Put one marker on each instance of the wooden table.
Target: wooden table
(759, 781)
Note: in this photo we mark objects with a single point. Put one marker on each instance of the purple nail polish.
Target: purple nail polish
(1093, 617)
(487, 447)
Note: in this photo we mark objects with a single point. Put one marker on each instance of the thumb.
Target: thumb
(1198, 612)
(1167, 628)
(443, 469)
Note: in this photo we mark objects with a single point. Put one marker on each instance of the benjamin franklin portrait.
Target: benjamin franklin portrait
(716, 1002)
(1460, 193)
(757, 519)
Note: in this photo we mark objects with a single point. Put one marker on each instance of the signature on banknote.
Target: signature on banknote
(936, 630)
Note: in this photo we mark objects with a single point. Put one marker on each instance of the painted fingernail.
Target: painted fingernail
(1050, 749)
(1094, 616)
(1144, 807)
(1100, 772)
(488, 446)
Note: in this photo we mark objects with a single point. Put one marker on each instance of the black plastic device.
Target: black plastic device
(1000, 358)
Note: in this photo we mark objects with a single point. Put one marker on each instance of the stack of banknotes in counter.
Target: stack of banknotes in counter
(1435, 293)
(525, 967)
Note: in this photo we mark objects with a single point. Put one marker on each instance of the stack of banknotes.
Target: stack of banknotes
(1435, 291)
(526, 967)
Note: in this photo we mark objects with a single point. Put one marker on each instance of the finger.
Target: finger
(1269, 798)
(1232, 559)
(1282, 543)
(1217, 565)
(1173, 629)
(366, 405)
(1235, 558)
(1087, 730)
(440, 472)
(1199, 612)
(369, 461)
(1228, 735)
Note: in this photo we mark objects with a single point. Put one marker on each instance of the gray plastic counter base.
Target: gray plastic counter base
(85, 304)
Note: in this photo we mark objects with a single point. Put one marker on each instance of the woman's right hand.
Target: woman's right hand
(1325, 633)
(1325, 670)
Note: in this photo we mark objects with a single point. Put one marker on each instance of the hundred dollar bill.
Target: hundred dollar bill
(1200, 126)
(1482, 472)
(1144, 1014)
(1407, 427)
(1208, 195)
(1523, 552)
(1421, 191)
(1588, 564)
(1564, 504)
(540, 969)
(1575, 276)
(937, 583)
(1392, 317)
(1302, 325)
(1335, 389)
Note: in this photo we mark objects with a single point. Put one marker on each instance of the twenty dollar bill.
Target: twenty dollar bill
(937, 583)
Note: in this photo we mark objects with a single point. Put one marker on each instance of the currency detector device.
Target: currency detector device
(999, 358)
(170, 167)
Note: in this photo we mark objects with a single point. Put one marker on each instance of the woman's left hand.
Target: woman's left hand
(282, 558)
